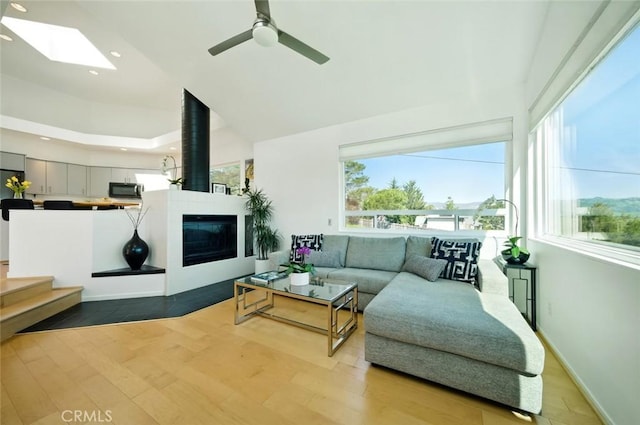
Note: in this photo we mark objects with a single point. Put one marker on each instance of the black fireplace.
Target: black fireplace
(207, 238)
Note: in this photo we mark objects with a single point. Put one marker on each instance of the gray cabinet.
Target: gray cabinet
(99, 178)
(11, 161)
(46, 177)
(36, 172)
(76, 180)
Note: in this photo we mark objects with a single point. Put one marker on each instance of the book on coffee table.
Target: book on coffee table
(269, 276)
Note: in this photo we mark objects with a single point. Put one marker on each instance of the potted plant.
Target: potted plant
(17, 187)
(299, 273)
(171, 172)
(266, 238)
(514, 254)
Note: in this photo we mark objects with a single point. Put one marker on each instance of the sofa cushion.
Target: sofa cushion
(325, 258)
(369, 281)
(376, 253)
(462, 258)
(454, 317)
(314, 242)
(418, 246)
(336, 243)
(428, 268)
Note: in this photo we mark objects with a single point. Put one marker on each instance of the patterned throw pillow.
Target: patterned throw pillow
(314, 242)
(428, 268)
(462, 258)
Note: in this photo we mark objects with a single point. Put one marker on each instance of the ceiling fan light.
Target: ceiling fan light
(265, 34)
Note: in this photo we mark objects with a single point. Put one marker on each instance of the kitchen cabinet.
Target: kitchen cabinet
(128, 175)
(76, 180)
(46, 177)
(11, 161)
(99, 178)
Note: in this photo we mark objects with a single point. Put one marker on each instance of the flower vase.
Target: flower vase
(18, 195)
(299, 279)
(135, 251)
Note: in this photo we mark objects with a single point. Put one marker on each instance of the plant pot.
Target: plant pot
(299, 279)
(520, 259)
(263, 266)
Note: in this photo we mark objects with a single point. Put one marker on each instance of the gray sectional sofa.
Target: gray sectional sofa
(467, 336)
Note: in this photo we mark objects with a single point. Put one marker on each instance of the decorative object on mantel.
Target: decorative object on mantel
(17, 187)
(301, 272)
(266, 238)
(136, 250)
(173, 179)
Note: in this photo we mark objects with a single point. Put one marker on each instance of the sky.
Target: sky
(438, 173)
(604, 161)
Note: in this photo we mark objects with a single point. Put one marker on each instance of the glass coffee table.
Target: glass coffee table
(340, 298)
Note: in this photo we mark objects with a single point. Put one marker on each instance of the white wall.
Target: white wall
(301, 173)
(588, 308)
(589, 312)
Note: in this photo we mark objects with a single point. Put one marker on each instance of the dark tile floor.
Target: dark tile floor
(133, 309)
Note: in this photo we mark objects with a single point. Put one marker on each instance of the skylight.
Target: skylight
(60, 44)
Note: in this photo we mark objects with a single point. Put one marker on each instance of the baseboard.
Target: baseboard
(576, 380)
(123, 296)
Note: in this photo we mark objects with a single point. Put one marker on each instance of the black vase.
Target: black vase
(135, 251)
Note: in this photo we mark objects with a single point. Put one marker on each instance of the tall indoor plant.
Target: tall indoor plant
(266, 239)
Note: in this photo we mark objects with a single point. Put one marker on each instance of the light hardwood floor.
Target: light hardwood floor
(202, 369)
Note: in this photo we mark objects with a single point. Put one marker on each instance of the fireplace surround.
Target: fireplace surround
(207, 238)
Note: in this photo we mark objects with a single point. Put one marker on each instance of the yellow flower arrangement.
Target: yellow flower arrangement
(18, 187)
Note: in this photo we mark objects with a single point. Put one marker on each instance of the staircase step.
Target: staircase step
(21, 315)
(16, 289)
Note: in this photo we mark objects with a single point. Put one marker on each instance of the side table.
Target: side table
(522, 288)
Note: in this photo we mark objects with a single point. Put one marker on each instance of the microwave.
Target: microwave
(125, 190)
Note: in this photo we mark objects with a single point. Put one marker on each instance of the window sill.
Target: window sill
(606, 254)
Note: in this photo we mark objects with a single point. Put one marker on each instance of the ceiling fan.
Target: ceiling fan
(265, 33)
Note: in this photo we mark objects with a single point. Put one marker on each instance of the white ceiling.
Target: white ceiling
(385, 56)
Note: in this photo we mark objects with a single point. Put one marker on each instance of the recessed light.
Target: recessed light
(6, 37)
(115, 54)
(93, 72)
(18, 7)
(123, 149)
(173, 148)
(44, 138)
(60, 44)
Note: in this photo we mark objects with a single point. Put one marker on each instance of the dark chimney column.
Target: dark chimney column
(195, 143)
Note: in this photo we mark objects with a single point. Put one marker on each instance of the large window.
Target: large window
(587, 161)
(455, 188)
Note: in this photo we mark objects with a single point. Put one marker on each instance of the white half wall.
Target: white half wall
(589, 312)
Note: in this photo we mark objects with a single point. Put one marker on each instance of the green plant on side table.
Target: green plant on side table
(514, 254)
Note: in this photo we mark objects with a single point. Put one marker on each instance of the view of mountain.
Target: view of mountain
(629, 206)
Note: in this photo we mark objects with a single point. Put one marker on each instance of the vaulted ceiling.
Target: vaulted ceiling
(385, 56)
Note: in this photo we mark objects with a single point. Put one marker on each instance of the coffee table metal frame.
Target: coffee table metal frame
(345, 300)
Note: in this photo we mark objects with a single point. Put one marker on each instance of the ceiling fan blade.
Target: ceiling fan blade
(233, 41)
(302, 48)
(262, 7)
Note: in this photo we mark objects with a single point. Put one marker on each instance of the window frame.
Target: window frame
(538, 195)
(442, 140)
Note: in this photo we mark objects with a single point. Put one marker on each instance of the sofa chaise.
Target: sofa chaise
(464, 333)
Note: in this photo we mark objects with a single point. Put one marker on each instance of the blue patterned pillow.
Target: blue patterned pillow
(462, 258)
(314, 242)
